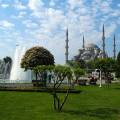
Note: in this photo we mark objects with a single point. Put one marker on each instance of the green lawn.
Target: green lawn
(92, 103)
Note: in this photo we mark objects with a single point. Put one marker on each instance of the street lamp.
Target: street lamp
(100, 78)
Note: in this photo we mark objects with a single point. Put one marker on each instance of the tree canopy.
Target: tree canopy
(36, 56)
(59, 74)
(118, 65)
(78, 72)
(77, 64)
(7, 59)
(118, 57)
(106, 64)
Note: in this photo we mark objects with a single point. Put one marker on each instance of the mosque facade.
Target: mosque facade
(89, 52)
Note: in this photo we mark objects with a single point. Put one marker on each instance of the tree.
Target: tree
(106, 65)
(90, 64)
(77, 64)
(36, 56)
(41, 71)
(8, 64)
(7, 60)
(61, 73)
(78, 72)
(81, 63)
(118, 57)
(118, 65)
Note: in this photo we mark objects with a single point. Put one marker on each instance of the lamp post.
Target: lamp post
(100, 78)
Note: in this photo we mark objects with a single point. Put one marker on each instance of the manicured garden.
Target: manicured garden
(93, 103)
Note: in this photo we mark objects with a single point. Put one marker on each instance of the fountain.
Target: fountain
(5, 68)
(18, 75)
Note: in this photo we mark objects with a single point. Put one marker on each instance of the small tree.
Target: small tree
(60, 73)
(41, 70)
(78, 73)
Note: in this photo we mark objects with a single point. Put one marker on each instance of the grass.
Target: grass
(93, 103)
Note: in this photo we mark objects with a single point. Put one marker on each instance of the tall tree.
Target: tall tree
(36, 56)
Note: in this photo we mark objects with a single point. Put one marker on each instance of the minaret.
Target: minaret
(114, 48)
(83, 43)
(66, 53)
(103, 40)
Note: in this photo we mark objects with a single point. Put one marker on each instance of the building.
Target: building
(89, 52)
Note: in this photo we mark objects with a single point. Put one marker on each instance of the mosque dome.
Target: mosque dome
(91, 46)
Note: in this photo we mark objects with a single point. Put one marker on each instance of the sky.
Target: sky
(44, 22)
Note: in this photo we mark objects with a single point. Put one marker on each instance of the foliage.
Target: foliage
(60, 73)
(77, 64)
(78, 73)
(81, 63)
(7, 59)
(42, 68)
(117, 72)
(90, 64)
(8, 64)
(36, 56)
(118, 65)
(118, 57)
(106, 64)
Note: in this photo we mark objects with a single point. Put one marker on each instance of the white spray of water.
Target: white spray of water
(17, 73)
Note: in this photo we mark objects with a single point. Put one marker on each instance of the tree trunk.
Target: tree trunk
(54, 102)
(65, 99)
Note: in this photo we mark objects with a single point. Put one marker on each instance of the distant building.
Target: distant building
(89, 52)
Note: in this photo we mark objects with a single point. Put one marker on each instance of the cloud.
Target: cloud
(6, 24)
(110, 29)
(80, 17)
(30, 24)
(44, 23)
(21, 14)
(18, 5)
(52, 3)
(35, 4)
(4, 5)
(75, 3)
